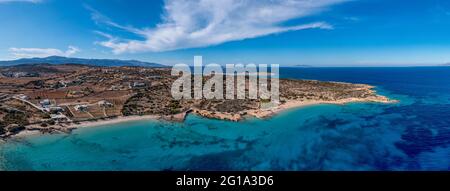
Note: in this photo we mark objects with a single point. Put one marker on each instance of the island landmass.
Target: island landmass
(50, 98)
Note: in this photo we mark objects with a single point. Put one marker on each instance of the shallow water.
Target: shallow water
(411, 135)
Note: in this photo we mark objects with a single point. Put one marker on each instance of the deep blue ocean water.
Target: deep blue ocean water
(411, 135)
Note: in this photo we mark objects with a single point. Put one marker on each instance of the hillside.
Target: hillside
(92, 62)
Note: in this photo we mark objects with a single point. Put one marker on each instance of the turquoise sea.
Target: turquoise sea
(411, 135)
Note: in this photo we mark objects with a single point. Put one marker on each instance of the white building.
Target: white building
(59, 117)
(45, 103)
(56, 109)
(105, 103)
(21, 96)
(82, 108)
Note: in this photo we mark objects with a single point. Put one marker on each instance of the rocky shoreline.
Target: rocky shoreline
(291, 104)
(260, 114)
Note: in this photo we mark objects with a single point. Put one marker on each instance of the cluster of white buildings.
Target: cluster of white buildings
(56, 112)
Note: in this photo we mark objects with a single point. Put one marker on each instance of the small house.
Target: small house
(138, 85)
(56, 109)
(59, 117)
(81, 108)
(45, 103)
(105, 103)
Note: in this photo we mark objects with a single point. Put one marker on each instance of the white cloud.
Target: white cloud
(42, 52)
(202, 23)
(28, 1)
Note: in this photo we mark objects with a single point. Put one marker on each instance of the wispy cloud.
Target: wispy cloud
(202, 23)
(99, 18)
(28, 1)
(42, 52)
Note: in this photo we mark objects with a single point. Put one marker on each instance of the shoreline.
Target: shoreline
(89, 124)
(297, 104)
(293, 104)
(121, 119)
(260, 114)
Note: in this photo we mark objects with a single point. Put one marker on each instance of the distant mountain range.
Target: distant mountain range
(92, 62)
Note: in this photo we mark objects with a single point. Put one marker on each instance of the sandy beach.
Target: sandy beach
(121, 119)
(291, 104)
(87, 124)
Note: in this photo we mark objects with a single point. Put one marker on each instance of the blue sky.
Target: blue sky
(285, 32)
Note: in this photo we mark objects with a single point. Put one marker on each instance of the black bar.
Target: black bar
(280, 180)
